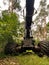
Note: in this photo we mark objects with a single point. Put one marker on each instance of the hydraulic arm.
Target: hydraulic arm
(29, 14)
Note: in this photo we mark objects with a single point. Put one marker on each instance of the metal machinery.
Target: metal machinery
(28, 42)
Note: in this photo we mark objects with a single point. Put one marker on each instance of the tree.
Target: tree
(13, 4)
(8, 25)
(41, 19)
(48, 10)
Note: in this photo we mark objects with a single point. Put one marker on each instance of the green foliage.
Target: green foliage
(37, 41)
(16, 5)
(48, 27)
(8, 26)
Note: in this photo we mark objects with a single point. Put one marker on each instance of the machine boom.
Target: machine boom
(29, 14)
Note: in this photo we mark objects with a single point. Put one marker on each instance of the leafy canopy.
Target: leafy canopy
(9, 24)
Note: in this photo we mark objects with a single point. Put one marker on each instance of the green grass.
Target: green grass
(33, 60)
(27, 59)
(23, 59)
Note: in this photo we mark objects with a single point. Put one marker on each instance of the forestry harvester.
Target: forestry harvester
(28, 42)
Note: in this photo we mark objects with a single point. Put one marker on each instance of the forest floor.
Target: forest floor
(24, 59)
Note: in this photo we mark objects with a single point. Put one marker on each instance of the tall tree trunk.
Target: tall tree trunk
(45, 30)
(10, 5)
